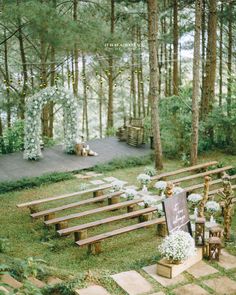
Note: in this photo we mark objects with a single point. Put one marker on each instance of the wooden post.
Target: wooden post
(61, 225)
(205, 196)
(145, 217)
(81, 235)
(98, 193)
(162, 229)
(131, 208)
(33, 209)
(94, 248)
(49, 216)
(169, 189)
(113, 200)
(227, 196)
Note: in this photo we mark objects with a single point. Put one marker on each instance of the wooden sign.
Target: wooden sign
(176, 212)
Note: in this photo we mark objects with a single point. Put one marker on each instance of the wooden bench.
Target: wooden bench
(203, 174)
(96, 191)
(50, 213)
(201, 185)
(94, 243)
(62, 222)
(80, 231)
(183, 170)
(220, 190)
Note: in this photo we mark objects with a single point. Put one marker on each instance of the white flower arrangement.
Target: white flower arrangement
(160, 185)
(151, 171)
(149, 201)
(194, 198)
(35, 105)
(212, 206)
(178, 246)
(130, 194)
(144, 179)
(117, 185)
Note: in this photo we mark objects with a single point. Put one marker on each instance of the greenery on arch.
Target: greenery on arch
(35, 104)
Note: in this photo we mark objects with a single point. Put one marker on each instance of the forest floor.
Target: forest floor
(14, 167)
(130, 251)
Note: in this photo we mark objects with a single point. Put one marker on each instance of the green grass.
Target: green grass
(125, 252)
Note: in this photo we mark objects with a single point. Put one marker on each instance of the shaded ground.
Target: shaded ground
(13, 166)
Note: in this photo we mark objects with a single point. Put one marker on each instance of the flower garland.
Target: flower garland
(35, 105)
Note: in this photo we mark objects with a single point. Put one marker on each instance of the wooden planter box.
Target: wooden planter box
(168, 270)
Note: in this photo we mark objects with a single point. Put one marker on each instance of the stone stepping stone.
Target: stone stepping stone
(158, 293)
(227, 261)
(190, 289)
(110, 179)
(54, 281)
(201, 269)
(97, 182)
(222, 285)
(132, 282)
(9, 280)
(37, 283)
(132, 187)
(91, 173)
(152, 271)
(92, 290)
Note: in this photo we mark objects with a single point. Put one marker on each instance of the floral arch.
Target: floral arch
(32, 150)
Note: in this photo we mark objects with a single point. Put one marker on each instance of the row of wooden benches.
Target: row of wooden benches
(80, 231)
(96, 190)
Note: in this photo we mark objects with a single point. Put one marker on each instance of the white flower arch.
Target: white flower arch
(35, 105)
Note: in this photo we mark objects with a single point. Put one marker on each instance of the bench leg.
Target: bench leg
(61, 225)
(33, 209)
(162, 229)
(94, 248)
(114, 200)
(49, 216)
(98, 194)
(81, 235)
(131, 208)
(145, 217)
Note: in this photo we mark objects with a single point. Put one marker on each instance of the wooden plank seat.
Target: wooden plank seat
(203, 174)
(79, 193)
(183, 170)
(220, 190)
(83, 227)
(50, 213)
(201, 185)
(94, 242)
(62, 222)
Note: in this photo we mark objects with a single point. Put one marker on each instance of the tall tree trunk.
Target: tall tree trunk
(133, 85)
(196, 82)
(221, 55)
(7, 76)
(203, 45)
(175, 52)
(1, 126)
(45, 113)
(68, 70)
(101, 94)
(210, 69)
(76, 52)
(110, 121)
(166, 92)
(24, 69)
(153, 66)
(229, 62)
(52, 83)
(85, 100)
(141, 73)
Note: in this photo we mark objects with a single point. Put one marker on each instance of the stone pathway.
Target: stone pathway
(215, 282)
(92, 290)
(132, 282)
(13, 166)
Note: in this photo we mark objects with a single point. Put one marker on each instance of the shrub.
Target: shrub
(24, 183)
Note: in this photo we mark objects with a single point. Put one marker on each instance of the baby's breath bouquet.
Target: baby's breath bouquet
(144, 179)
(130, 194)
(177, 247)
(194, 198)
(151, 171)
(117, 185)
